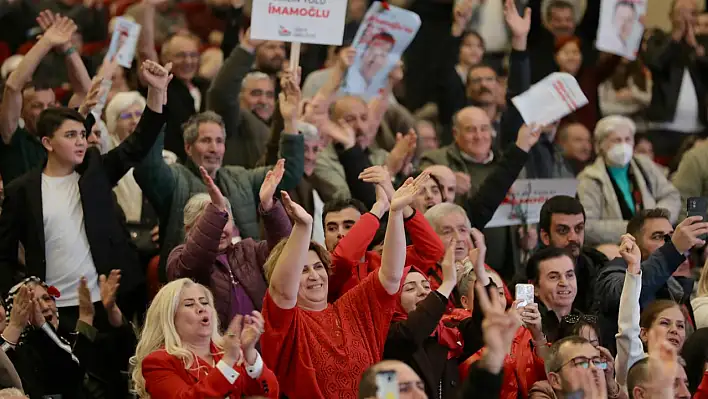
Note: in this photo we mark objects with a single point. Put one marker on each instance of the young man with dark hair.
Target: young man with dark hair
(562, 225)
(663, 252)
(64, 212)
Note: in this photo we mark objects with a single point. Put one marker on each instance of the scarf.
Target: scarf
(449, 337)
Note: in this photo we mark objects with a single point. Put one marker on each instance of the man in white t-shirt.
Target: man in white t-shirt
(64, 214)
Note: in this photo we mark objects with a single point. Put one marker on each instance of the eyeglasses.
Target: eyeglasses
(584, 363)
(575, 318)
(128, 115)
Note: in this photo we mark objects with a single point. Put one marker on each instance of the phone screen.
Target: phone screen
(386, 385)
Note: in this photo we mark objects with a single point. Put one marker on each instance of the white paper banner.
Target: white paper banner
(549, 100)
(523, 202)
(304, 21)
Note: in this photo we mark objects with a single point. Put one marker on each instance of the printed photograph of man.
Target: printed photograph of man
(375, 56)
(624, 19)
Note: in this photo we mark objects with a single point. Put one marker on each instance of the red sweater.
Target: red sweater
(348, 268)
(318, 355)
(166, 378)
(702, 391)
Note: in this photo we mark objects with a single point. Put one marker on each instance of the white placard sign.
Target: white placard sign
(383, 36)
(549, 100)
(304, 21)
(620, 31)
(523, 202)
(124, 41)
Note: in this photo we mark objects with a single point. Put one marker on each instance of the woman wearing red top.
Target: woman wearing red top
(319, 350)
(181, 354)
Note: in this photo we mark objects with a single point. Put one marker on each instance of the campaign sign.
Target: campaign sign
(523, 202)
(303, 21)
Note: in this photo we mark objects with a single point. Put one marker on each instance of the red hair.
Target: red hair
(563, 40)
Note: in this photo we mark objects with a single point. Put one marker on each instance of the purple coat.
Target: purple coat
(197, 258)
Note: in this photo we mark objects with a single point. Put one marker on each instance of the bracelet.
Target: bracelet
(8, 341)
(71, 50)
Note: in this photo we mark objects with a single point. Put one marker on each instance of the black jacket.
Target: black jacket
(656, 271)
(667, 60)
(181, 109)
(22, 222)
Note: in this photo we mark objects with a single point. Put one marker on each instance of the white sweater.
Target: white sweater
(629, 346)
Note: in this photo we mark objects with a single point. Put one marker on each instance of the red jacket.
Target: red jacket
(348, 269)
(166, 378)
(522, 367)
(702, 391)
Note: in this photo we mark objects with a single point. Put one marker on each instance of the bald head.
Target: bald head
(473, 132)
(409, 383)
(446, 177)
(355, 112)
(183, 51)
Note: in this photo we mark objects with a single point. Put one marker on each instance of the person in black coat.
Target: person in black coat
(72, 193)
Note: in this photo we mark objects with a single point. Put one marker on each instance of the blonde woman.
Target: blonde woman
(700, 302)
(181, 354)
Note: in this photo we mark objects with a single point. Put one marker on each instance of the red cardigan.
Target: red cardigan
(348, 268)
(166, 378)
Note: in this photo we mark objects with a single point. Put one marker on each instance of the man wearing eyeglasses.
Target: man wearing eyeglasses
(575, 369)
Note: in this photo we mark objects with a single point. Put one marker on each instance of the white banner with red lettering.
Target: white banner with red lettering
(523, 202)
(549, 100)
(304, 21)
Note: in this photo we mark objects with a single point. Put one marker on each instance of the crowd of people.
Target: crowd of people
(217, 222)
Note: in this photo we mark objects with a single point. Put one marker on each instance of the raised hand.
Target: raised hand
(498, 328)
(630, 252)
(528, 136)
(36, 317)
(233, 354)
(687, 233)
(96, 91)
(449, 269)
(405, 195)
(461, 16)
(663, 365)
(341, 132)
(247, 42)
(531, 318)
(380, 176)
(109, 289)
(463, 183)
(214, 193)
(253, 327)
(86, 310)
(60, 32)
(296, 212)
(156, 75)
(346, 58)
(612, 385)
(289, 98)
(518, 25)
(270, 184)
(21, 308)
(395, 76)
(402, 152)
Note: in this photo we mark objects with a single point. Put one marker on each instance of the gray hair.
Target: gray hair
(610, 124)
(437, 212)
(254, 76)
(196, 206)
(466, 277)
(190, 129)
(308, 131)
(11, 393)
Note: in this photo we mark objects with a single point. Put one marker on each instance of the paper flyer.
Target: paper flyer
(551, 99)
(525, 199)
(124, 41)
(383, 36)
(620, 31)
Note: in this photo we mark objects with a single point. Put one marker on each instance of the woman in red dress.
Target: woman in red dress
(181, 354)
(319, 350)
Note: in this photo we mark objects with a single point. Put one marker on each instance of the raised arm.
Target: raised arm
(146, 41)
(285, 280)
(59, 34)
(325, 95)
(196, 257)
(132, 150)
(393, 257)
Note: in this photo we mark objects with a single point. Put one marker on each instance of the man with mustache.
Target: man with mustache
(247, 116)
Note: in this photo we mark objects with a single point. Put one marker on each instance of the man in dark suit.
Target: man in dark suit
(64, 213)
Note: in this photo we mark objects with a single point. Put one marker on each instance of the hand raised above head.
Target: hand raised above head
(156, 75)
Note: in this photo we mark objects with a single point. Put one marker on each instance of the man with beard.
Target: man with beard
(186, 91)
(562, 225)
(663, 265)
(247, 116)
(575, 142)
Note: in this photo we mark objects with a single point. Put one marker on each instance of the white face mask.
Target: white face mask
(619, 154)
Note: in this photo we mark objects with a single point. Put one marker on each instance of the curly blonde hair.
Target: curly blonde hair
(160, 333)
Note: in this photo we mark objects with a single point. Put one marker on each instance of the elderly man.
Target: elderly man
(620, 184)
(247, 116)
(408, 383)
(169, 187)
(575, 141)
